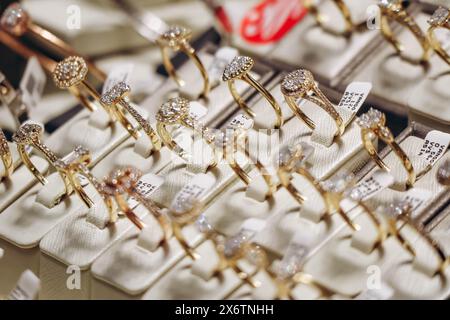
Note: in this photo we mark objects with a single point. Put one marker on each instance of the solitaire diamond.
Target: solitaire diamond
(28, 132)
(439, 17)
(15, 19)
(114, 94)
(203, 224)
(173, 110)
(443, 174)
(301, 151)
(297, 83)
(70, 72)
(371, 120)
(175, 36)
(237, 67)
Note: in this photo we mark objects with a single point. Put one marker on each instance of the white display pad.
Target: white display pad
(347, 265)
(326, 55)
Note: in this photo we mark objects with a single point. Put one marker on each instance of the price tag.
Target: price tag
(354, 96)
(385, 292)
(241, 121)
(27, 287)
(197, 110)
(370, 186)
(434, 146)
(193, 190)
(146, 186)
(33, 83)
(417, 198)
(119, 73)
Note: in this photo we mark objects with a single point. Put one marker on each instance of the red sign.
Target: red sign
(270, 20)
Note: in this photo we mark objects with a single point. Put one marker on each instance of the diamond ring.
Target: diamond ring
(238, 69)
(177, 38)
(440, 19)
(300, 84)
(395, 10)
(5, 154)
(374, 122)
(16, 21)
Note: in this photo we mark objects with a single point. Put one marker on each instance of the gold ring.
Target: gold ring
(12, 99)
(440, 19)
(177, 38)
(321, 19)
(374, 122)
(394, 10)
(5, 154)
(239, 143)
(300, 84)
(16, 21)
(238, 69)
(401, 211)
(176, 111)
(29, 134)
(116, 98)
(124, 182)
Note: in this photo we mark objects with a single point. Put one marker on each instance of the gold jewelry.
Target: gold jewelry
(116, 98)
(401, 211)
(440, 19)
(29, 134)
(300, 84)
(177, 38)
(374, 122)
(16, 21)
(176, 111)
(12, 99)
(239, 143)
(394, 10)
(5, 154)
(123, 182)
(238, 69)
(321, 19)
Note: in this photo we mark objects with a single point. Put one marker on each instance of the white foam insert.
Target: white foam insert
(324, 54)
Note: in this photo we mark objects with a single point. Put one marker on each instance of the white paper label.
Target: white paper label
(146, 186)
(119, 73)
(417, 198)
(33, 83)
(27, 288)
(194, 189)
(222, 57)
(241, 121)
(385, 292)
(370, 186)
(434, 146)
(354, 96)
(197, 110)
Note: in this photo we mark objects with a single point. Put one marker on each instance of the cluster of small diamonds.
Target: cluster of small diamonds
(297, 82)
(374, 120)
(395, 5)
(173, 110)
(439, 17)
(237, 67)
(286, 154)
(4, 148)
(398, 208)
(14, 16)
(121, 180)
(175, 35)
(28, 132)
(115, 93)
(69, 72)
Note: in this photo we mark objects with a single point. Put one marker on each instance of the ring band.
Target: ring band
(394, 10)
(239, 143)
(16, 21)
(300, 84)
(320, 19)
(116, 98)
(29, 134)
(374, 122)
(238, 69)
(5, 154)
(440, 19)
(176, 111)
(177, 38)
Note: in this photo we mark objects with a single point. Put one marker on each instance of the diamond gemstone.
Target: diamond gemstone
(234, 244)
(115, 93)
(397, 208)
(439, 17)
(443, 174)
(371, 119)
(203, 224)
(175, 35)
(76, 156)
(173, 110)
(15, 19)
(256, 256)
(289, 151)
(121, 180)
(339, 183)
(4, 148)
(29, 131)
(184, 205)
(292, 261)
(237, 67)
(297, 82)
(70, 72)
